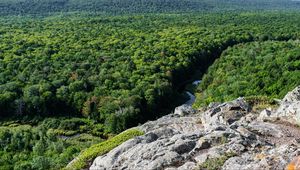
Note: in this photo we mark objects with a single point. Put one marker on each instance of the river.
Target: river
(192, 97)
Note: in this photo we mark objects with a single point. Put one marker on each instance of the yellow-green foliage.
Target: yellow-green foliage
(215, 163)
(102, 148)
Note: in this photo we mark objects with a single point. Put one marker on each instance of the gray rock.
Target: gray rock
(229, 131)
(182, 146)
(292, 96)
(241, 163)
(266, 129)
(265, 114)
(275, 158)
(289, 109)
(154, 150)
(225, 114)
(238, 104)
(246, 133)
(188, 125)
(187, 166)
(289, 112)
(184, 110)
(213, 105)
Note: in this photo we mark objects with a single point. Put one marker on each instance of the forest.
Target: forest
(76, 73)
(44, 144)
(117, 7)
(73, 67)
(272, 67)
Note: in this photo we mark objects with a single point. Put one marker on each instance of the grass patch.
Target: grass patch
(215, 163)
(102, 148)
(259, 103)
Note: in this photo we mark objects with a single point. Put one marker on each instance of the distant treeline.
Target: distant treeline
(46, 7)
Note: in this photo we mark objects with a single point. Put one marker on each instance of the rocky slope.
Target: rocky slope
(226, 136)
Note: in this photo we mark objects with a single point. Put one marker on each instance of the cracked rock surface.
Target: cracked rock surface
(229, 131)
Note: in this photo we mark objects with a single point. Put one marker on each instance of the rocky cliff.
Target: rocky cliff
(229, 136)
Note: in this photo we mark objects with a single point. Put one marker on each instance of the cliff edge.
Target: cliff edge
(228, 136)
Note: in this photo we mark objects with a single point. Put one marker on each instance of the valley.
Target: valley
(76, 74)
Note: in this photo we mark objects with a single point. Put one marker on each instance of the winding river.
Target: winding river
(192, 97)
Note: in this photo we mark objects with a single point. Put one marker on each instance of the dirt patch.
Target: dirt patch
(290, 131)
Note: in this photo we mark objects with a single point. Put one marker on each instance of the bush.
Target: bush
(91, 153)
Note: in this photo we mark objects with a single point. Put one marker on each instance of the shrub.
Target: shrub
(215, 163)
(99, 149)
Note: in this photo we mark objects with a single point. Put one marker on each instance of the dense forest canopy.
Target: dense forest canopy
(74, 72)
(118, 69)
(272, 67)
(46, 7)
(49, 144)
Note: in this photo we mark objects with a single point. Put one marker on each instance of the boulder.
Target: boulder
(224, 114)
(184, 110)
(265, 114)
(183, 146)
(292, 96)
(289, 112)
(289, 109)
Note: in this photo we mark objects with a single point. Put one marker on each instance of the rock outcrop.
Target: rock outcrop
(184, 110)
(227, 136)
(289, 109)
